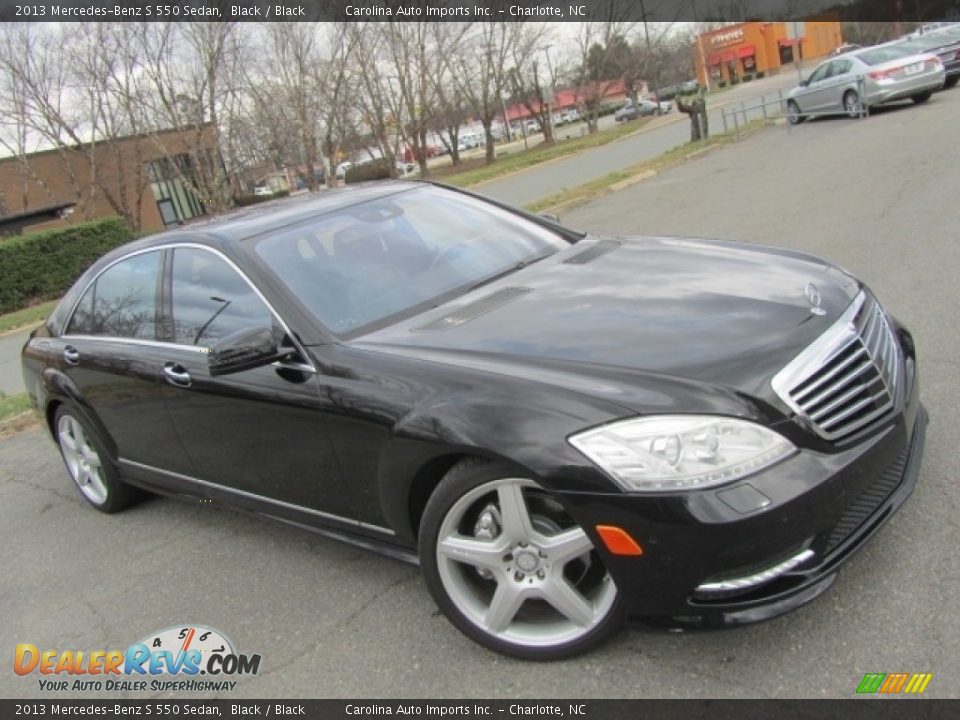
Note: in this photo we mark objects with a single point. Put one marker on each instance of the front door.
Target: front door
(258, 431)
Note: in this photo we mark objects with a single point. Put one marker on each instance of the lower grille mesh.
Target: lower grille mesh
(864, 506)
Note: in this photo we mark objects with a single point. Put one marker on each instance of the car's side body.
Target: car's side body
(832, 84)
(350, 434)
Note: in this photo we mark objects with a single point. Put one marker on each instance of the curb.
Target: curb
(18, 423)
(22, 329)
(632, 180)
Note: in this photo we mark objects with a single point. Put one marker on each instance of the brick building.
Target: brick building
(150, 179)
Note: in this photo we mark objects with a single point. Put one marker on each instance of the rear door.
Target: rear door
(111, 352)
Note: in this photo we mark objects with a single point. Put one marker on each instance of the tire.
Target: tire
(89, 465)
(951, 81)
(793, 113)
(921, 97)
(500, 556)
(851, 104)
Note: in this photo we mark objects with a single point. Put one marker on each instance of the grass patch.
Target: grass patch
(11, 405)
(601, 186)
(27, 317)
(473, 172)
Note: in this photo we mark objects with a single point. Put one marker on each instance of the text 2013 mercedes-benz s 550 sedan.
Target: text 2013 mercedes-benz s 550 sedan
(566, 431)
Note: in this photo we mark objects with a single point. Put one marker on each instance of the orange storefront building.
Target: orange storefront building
(731, 53)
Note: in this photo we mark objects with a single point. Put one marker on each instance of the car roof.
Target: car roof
(257, 219)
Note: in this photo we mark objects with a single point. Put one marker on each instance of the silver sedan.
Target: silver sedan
(854, 82)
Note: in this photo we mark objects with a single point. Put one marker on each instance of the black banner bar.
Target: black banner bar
(858, 709)
(474, 10)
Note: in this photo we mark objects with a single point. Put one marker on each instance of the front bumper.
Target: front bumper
(829, 504)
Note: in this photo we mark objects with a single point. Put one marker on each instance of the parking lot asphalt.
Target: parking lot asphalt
(878, 196)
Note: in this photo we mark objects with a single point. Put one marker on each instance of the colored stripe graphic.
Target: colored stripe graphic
(893, 683)
(871, 682)
(918, 682)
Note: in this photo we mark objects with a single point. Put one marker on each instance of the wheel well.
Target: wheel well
(50, 413)
(425, 482)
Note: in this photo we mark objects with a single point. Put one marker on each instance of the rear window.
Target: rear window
(878, 55)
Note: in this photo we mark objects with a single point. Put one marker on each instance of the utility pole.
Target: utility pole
(703, 56)
(646, 32)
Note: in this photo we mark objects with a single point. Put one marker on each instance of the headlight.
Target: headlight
(681, 452)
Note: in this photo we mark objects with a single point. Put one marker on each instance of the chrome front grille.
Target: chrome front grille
(848, 378)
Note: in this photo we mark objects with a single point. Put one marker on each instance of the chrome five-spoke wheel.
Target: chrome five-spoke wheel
(521, 573)
(82, 460)
(89, 465)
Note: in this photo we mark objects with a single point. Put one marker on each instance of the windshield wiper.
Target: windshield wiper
(512, 269)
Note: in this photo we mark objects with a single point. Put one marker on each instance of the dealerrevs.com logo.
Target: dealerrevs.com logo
(183, 658)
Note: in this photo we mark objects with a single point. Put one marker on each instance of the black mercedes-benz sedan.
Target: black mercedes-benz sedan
(565, 431)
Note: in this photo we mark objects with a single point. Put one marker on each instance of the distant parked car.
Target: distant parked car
(945, 44)
(342, 169)
(643, 108)
(844, 49)
(533, 126)
(855, 82)
(410, 156)
(570, 116)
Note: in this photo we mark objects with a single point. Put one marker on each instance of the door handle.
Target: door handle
(71, 355)
(176, 374)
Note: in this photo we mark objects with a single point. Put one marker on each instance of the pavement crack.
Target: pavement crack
(41, 488)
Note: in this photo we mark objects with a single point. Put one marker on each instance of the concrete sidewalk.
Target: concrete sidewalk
(659, 136)
(11, 379)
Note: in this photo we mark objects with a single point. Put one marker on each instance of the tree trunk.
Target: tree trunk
(487, 123)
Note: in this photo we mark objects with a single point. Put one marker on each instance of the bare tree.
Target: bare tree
(409, 55)
(483, 64)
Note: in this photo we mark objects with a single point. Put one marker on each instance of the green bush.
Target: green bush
(378, 169)
(41, 266)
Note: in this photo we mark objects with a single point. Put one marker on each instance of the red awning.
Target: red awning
(787, 41)
(746, 51)
(729, 55)
(714, 59)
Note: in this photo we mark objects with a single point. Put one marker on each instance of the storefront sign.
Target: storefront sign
(728, 37)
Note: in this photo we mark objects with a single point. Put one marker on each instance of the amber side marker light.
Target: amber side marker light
(618, 540)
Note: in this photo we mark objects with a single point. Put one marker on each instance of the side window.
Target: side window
(211, 300)
(841, 67)
(122, 301)
(819, 74)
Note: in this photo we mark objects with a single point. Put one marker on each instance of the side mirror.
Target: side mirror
(245, 350)
(549, 216)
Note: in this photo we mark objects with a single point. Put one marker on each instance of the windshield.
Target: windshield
(373, 262)
(877, 55)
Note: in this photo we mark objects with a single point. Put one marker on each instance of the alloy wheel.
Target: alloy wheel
(516, 566)
(82, 460)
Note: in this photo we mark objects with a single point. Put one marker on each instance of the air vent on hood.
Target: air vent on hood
(473, 310)
(593, 252)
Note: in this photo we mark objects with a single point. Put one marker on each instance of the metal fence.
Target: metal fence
(767, 108)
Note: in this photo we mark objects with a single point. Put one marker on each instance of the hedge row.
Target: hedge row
(41, 266)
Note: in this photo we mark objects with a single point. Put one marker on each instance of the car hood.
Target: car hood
(653, 312)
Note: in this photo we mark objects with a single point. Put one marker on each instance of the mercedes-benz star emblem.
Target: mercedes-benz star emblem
(813, 297)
